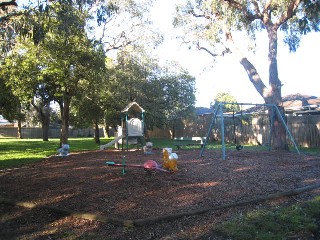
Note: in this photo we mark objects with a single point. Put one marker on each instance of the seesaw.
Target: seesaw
(149, 166)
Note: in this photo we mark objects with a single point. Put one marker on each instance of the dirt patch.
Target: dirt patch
(82, 182)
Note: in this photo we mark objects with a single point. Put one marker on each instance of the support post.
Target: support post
(287, 129)
(222, 133)
(209, 131)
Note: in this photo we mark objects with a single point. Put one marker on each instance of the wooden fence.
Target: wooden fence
(254, 130)
(28, 132)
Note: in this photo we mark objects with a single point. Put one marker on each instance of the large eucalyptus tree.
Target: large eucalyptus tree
(211, 25)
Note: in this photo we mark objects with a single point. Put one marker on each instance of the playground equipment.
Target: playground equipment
(170, 160)
(150, 166)
(219, 110)
(64, 150)
(147, 149)
(131, 129)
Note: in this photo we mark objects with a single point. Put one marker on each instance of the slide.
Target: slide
(102, 147)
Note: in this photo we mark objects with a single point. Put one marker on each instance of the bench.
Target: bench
(189, 141)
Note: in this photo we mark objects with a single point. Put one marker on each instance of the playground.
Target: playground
(79, 196)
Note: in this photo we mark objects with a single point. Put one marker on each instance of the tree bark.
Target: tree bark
(96, 133)
(45, 122)
(279, 139)
(44, 115)
(65, 116)
(19, 129)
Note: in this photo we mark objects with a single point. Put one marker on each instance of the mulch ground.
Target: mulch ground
(83, 183)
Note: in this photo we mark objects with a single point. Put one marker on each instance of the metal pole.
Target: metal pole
(287, 129)
(209, 130)
(127, 137)
(222, 133)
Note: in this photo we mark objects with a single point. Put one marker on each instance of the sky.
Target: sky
(298, 72)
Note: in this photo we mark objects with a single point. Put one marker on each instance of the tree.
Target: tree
(62, 31)
(88, 106)
(166, 93)
(23, 70)
(179, 95)
(216, 23)
(10, 105)
(226, 97)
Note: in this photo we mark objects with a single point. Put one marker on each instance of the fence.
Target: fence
(53, 132)
(254, 130)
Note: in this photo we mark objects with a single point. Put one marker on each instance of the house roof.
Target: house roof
(292, 103)
(299, 101)
(203, 111)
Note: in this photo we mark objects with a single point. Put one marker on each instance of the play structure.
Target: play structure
(64, 150)
(131, 130)
(170, 160)
(218, 111)
(150, 166)
(169, 164)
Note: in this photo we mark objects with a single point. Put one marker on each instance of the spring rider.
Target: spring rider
(170, 160)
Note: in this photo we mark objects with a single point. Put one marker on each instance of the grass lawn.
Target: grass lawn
(16, 152)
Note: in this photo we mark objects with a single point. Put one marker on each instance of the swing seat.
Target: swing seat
(239, 147)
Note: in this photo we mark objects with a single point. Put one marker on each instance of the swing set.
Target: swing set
(219, 110)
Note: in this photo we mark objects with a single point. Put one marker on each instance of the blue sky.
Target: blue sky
(298, 72)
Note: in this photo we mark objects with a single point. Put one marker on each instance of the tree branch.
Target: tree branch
(227, 50)
(289, 13)
(11, 3)
(243, 9)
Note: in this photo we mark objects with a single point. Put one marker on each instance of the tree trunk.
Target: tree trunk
(271, 94)
(65, 115)
(279, 140)
(96, 133)
(44, 115)
(19, 129)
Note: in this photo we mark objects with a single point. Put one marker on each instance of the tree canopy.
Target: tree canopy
(58, 57)
(213, 26)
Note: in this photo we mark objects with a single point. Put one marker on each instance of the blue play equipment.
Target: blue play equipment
(218, 110)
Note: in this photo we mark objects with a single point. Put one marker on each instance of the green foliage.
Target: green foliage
(276, 224)
(209, 21)
(167, 94)
(226, 98)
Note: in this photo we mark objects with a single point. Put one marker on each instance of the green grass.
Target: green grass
(279, 224)
(17, 152)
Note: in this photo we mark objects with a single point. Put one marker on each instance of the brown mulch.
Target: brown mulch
(82, 182)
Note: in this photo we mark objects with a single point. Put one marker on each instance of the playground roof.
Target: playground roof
(135, 106)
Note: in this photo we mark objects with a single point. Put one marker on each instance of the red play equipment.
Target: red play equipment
(150, 166)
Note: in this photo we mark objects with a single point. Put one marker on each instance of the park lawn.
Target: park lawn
(16, 152)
